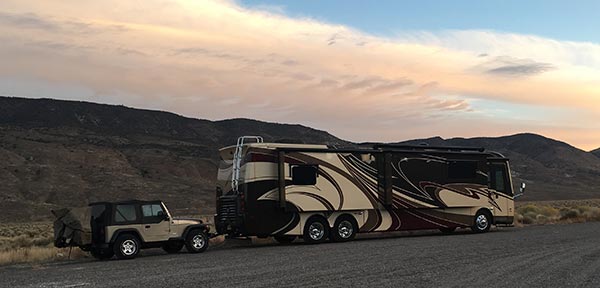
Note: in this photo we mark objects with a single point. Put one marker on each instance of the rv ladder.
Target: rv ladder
(237, 159)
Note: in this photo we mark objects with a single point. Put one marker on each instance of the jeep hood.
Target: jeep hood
(186, 221)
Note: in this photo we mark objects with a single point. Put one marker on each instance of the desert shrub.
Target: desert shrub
(549, 211)
(529, 217)
(530, 208)
(592, 213)
(569, 213)
(542, 219)
(25, 235)
(43, 241)
(566, 211)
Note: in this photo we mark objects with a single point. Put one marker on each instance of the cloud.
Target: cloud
(217, 59)
(26, 20)
(521, 69)
(506, 65)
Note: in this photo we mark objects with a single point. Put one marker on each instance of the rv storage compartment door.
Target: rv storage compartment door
(384, 177)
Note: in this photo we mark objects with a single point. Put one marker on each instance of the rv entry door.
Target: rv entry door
(500, 185)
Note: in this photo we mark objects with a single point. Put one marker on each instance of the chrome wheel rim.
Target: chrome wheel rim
(482, 222)
(128, 247)
(198, 241)
(345, 229)
(316, 231)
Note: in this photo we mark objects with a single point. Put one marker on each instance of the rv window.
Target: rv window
(125, 213)
(499, 180)
(304, 174)
(499, 175)
(462, 169)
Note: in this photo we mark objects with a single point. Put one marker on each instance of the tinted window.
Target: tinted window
(499, 179)
(125, 213)
(304, 174)
(462, 169)
(152, 210)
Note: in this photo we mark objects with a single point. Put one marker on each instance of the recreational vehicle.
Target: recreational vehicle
(319, 192)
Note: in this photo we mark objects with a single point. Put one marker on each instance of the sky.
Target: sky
(385, 71)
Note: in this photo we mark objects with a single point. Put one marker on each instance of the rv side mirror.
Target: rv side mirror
(521, 191)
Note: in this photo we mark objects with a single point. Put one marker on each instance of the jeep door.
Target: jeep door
(156, 227)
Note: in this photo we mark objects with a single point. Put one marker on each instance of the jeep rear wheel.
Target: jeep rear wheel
(196, 241)
(172, 246)
(127, 246)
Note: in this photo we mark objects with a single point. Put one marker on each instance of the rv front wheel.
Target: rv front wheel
(482, 221)
(316, 230)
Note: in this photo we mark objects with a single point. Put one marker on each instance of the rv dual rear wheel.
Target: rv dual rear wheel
(316, 230)
(344, 229)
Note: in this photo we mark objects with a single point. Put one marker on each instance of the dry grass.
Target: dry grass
(39, 255)
(550, 212)
(31, 243)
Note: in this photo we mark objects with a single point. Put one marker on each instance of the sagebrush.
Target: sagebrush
(566, 211)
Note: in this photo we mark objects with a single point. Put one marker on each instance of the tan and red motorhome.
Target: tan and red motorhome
(319, 192)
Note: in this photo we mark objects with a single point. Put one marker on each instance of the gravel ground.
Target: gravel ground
(538, 256)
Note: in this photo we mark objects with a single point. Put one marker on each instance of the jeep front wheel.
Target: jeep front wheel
(127, 246)
(196, 241)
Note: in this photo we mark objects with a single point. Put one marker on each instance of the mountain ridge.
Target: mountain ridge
(68, 153)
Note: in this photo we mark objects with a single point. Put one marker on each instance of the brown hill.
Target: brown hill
(596, 152)
(66, 153)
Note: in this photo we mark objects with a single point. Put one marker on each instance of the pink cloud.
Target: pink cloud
(213, 59)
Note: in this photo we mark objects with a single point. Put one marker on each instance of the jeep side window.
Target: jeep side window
(125, 213)
(152, 210)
